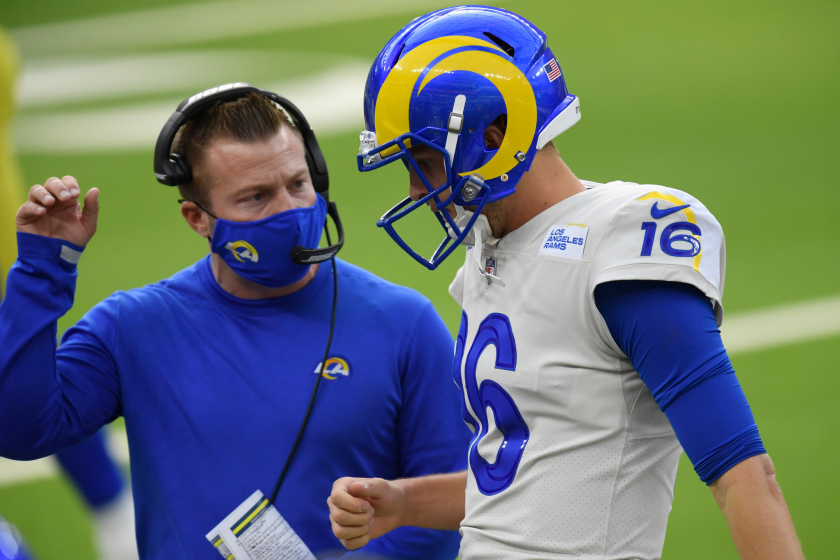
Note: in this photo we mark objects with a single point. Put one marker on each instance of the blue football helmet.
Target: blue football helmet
(441, 81)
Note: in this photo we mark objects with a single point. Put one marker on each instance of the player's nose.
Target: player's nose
(416, 188)
(416, 192)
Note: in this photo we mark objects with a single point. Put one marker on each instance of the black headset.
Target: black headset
(173, 169)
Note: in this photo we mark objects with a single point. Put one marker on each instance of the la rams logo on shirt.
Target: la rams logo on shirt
(337, 368)
(242, 250)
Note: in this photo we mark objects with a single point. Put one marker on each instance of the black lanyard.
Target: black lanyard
(320, 375)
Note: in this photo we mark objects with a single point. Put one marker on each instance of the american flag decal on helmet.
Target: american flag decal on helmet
(552, 70)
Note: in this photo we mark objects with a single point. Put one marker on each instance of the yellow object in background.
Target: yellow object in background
(11, 193)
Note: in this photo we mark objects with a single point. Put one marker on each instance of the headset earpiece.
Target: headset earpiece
(182, 173)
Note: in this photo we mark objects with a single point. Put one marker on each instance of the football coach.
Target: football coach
(234, 374)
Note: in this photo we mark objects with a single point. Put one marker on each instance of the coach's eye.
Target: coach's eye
(257, 197)
(298, 184)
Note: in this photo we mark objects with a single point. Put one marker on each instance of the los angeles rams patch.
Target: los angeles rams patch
(565, 241)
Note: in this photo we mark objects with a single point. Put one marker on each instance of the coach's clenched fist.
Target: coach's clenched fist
(54, 210)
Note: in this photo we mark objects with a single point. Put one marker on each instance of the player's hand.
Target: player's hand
(362, 509)
(53, 210)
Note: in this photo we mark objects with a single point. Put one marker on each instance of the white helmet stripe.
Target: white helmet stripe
(455, 124)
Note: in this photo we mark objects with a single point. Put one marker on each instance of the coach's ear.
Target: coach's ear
(196, 218)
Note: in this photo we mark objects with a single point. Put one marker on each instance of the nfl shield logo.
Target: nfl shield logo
(490, 266)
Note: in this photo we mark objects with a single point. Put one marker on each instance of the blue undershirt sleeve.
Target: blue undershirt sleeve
(669, 333)
(433, 438)
(50, 398)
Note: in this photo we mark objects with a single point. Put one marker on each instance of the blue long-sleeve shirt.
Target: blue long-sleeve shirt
(213, 390)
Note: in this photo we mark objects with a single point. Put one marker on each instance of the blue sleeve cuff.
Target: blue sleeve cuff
(39, 246)
(745, 445)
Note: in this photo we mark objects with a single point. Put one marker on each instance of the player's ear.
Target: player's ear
(495, 133)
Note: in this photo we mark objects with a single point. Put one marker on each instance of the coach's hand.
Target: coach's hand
(362, 509)
(53, 210)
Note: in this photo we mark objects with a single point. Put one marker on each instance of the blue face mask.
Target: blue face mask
(261, 251)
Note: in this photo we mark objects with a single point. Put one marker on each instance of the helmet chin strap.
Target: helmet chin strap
(481, 229)
(482, 232)
(480, 235)
(482, 269)
(454, 125)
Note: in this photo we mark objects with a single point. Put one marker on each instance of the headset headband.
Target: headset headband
(175, 170)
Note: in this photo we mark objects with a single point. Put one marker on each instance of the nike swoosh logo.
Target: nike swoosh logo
(656, 213)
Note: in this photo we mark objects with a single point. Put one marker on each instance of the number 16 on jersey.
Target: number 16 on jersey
(494, 330)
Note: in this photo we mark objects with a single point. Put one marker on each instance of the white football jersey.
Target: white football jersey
(572, 457)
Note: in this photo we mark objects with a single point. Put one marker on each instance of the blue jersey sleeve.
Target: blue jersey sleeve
(51, 399)
(433, 438)
(669, 333)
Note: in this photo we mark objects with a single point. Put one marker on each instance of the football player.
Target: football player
(589, 354)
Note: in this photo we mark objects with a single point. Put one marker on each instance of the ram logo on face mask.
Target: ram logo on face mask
(243, 250)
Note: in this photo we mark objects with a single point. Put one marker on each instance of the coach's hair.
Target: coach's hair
(249, 120)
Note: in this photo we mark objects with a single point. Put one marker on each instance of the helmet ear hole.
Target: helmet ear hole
(495, 133)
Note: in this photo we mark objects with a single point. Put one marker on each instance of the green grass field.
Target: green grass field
(732, 101)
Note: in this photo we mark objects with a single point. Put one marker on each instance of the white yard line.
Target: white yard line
(744, 332)
(784, 324)
(205, 22)
(51, 81)
(331, 101)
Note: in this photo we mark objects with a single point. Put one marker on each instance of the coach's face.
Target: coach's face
(251, 181)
